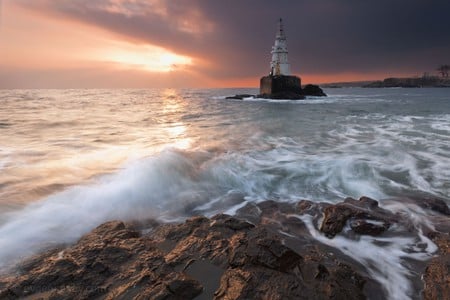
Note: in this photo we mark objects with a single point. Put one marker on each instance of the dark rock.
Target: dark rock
(250, 212)
(322, 272)
(366, 217)
(434, 204)
(225, 257)
(364, 226)
(287, 95)
(230, 222)
(247, 261)
(261, 249)
(313, 90)
(240, 96)
(183, 287)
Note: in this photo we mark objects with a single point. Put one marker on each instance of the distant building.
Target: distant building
(280, 64)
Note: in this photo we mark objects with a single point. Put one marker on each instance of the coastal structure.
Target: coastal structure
(280, 84)
(280, 64)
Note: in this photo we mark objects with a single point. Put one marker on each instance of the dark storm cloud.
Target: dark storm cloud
(339, 36)
(324, 36)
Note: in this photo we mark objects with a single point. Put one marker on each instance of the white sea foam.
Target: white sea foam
(399, 144)
(350, 144)
(441, 123)
(176, 184)
(145, 189)
(383, 257)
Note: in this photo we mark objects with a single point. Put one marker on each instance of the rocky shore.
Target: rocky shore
(269, 250)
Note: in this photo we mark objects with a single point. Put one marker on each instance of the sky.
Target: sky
(215, 43)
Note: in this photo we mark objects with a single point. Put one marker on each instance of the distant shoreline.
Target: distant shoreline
(405, 82)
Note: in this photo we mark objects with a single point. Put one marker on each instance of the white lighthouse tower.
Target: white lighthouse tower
(279, 64)
(280, 84)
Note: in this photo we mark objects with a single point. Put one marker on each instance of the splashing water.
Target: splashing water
(70, 160)
(384, 258)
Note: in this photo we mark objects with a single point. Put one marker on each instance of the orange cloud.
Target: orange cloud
(211, 43)
(35, 45)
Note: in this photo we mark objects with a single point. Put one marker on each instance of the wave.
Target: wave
(175, 184)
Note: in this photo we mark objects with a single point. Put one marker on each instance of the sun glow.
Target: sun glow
(144, 57)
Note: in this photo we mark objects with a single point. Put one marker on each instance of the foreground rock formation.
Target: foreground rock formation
(267, 251)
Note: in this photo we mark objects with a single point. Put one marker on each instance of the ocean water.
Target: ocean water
(72, 159)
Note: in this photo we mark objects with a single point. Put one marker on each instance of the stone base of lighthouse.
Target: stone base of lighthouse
(281, 87)
(286, 87)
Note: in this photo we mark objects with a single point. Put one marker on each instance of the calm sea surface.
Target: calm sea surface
(72, 159)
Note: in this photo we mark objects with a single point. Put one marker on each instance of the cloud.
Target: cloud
(232, 39)
(97, 75)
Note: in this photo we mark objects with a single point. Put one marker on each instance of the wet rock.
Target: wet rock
(267, 252)
(230, 222)
(250, 212)
(245, 260)
(434, 204)
(260, 249)
(437, 273)
(183, 287)
(322, 272)
(240, 96)
(370, 227)
(365, 216)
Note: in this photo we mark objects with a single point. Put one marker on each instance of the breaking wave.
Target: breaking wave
(226, 153)
(176, 184)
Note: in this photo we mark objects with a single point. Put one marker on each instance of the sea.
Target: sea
(73, 159)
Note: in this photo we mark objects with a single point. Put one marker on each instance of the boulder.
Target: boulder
(365, 216)
(313, 90)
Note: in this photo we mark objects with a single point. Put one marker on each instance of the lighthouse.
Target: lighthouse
(280, 64)
(280, 84)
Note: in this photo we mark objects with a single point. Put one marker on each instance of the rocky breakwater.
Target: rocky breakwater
(355, 249)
